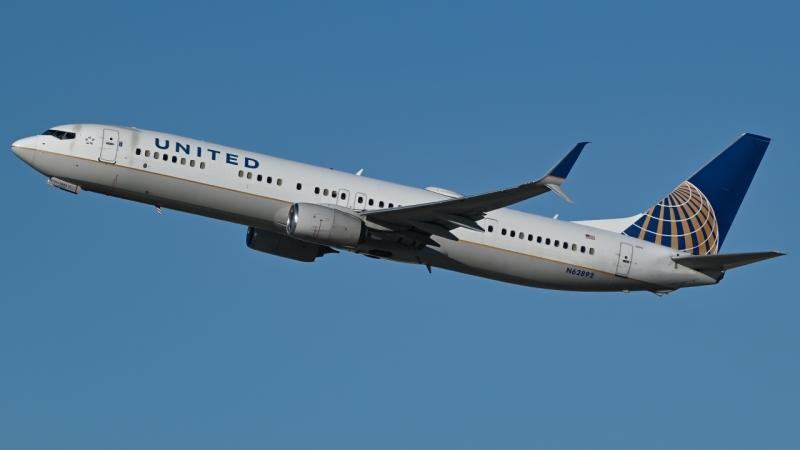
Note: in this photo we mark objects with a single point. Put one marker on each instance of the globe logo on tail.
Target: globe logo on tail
(683, 220)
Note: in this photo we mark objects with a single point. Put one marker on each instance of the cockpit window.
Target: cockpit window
(59, 134)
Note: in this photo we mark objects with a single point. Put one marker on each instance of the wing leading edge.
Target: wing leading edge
(437, 218)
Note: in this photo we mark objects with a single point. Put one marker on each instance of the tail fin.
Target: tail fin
(696, 216)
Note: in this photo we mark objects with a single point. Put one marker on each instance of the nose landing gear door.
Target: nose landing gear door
(110, 146)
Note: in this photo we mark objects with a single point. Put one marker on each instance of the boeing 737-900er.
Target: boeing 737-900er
(303, 212)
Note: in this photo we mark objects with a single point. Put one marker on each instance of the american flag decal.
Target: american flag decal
(158, 209)
(590, 237)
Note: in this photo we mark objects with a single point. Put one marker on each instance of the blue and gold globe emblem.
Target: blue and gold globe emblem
(683, 220)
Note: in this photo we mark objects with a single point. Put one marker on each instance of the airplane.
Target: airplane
(303, 212)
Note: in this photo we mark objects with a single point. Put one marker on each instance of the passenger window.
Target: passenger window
(574, 247)
(521, 235)
(513, 233)
(249, 175)
(183, 161)
(591, 251)
(156, 155)
(147, 153)
(530, 237)
(259, 177)
(202, 165)
(491, 228)
(316, 190)
(174, 159)
(299, 186)
(371, 202)
(539, 239)
(566, 246)
(279, 182)
(583, 249)
(191, 163)
(547, 241)
(503, 232)
(241, 173)
(269, 180)
(138, 151)
(555, 244)
(325, 192)
(166, 157)
(391, 205)
(380, 204)
(333, 194)
(360, 200)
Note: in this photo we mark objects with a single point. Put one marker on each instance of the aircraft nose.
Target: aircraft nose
(25, 148)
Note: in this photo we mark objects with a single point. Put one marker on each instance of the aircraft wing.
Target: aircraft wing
(724, 261)
(438, 217)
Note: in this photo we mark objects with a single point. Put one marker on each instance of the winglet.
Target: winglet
(557, 189)
(561, 170)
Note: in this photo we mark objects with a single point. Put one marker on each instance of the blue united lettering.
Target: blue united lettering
(230, 158)
(185, 148)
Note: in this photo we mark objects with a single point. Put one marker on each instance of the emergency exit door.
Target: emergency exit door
(110, 145)
(489, 232)
(343, 197)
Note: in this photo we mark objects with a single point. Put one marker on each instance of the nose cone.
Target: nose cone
(25, 148)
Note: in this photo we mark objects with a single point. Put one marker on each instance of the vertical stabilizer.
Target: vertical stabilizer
(697, 215)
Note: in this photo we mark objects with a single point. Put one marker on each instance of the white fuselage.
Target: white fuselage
(227, 187)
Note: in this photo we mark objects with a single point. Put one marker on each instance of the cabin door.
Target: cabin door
(625, 258)
(110, 146)
(490, 232)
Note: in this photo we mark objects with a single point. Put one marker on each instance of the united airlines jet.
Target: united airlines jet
(303, 212)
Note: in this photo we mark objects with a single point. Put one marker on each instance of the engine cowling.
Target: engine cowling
(328, 226)
(284, 246)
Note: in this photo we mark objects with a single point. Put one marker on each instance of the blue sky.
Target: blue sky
(120, 328)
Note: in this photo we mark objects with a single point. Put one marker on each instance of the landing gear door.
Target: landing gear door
(490, 232)
(110, 146)
(625, 259)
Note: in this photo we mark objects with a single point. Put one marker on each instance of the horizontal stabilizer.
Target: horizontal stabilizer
(723, 262)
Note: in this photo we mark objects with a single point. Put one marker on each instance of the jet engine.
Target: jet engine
(285, 246)
(328, 226)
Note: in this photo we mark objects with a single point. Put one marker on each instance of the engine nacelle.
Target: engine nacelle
(285, 246)
(325, 225)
